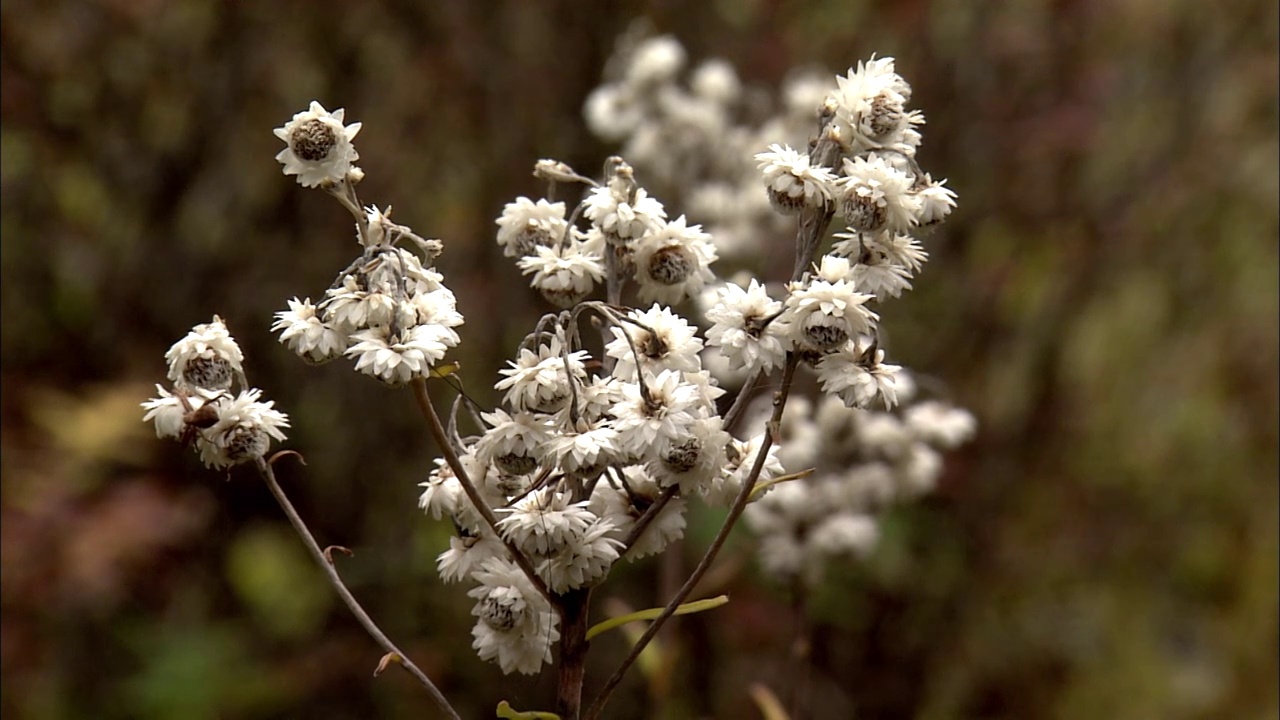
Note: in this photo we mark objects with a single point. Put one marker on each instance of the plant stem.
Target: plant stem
(268, 475)
(573, 652)
(455, 463)
(801, 650)
(739, 504)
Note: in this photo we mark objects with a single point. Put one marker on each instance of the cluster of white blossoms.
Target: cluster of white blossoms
(669, 260)
(571, 464)
(863, 462)
(589, 461)
(693, 134)
(389, 310)
(200, 408)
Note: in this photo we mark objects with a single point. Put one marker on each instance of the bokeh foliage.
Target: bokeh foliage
(1105, 300)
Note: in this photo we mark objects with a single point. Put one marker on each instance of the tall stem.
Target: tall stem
(801, 650)
(269, 476)
(739, 504)
(573, 652)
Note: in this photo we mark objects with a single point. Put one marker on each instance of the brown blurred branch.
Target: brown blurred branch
(393, 652)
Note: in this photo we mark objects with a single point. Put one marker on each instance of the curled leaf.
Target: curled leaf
(329, 551)
(385, 662)
(282, 453)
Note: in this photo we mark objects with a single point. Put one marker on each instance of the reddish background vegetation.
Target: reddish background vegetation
(1104, 299)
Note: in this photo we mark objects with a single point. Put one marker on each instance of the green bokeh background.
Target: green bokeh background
(1104, 300)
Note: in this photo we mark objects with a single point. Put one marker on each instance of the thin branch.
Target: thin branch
(739, 504)
(648, 517)
(268, 475)
(741, 401)
(455, 463)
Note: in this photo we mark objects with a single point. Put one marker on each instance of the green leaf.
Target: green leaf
(653, 613)
(506, 712)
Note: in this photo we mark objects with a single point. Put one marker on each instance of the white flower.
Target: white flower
(243, 431)
(845, 534)
(858, 376)
(692, 460)
(747, 328)
(622, 220)
(880, 277)
(397, 358)
(525, 225)
(169, 412)
(443, 494)
(664, 341)
(656, 60)
(306, 334)
(611, 113)
(319, 146)
(875, 195)
(672, 262)
(512, 439)
(350, 309)
(936, 201)
(940, 424)
(740, 458)
(870, 106)
(623, 506)
(544, 521)
(920, 470)
(564, 275)
(659, 412)
(466, 554)
(207, 358)
(584, 561)
(516, 626)
(716, 80)
(882, 435)
(436, 307)
(792, 182)
(536, 382)
(894, 248)
(825, 311)
(583, 451)
(596, 399)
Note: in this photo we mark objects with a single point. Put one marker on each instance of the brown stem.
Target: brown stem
(801, 648)
(573, 652)
(740, 402)
(739, 504)
(648, 517)
(455, 463)
(268, 475)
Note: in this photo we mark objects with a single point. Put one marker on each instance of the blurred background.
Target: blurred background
(1104, 300)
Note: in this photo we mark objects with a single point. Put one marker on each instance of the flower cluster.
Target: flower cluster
(597, 450)
(200, 409)
(629, 231)
(863, 462)
(389, 310)
(574, 461)
(693, 135)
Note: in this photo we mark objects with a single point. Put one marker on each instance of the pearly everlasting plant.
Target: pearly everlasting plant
(628, 401)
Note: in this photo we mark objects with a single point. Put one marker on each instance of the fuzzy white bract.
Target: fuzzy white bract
(225, 429)
(319, 146)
